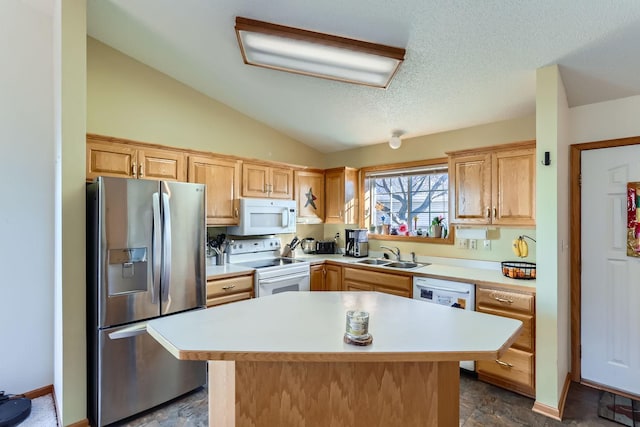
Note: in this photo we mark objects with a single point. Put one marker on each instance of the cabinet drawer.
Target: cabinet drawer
(504, 299)
(375, 278)
(228, 298)
(515, 367)
(526, 339)
(356, 286)
(228, 286)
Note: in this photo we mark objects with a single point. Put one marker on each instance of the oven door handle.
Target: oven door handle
(282, 278)
(438, 288)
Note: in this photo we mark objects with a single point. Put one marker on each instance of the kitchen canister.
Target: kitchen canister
(357, 328)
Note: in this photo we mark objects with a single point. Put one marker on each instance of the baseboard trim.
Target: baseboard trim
(546, 410)
(39, 392)
(563, 396)
(81, 423)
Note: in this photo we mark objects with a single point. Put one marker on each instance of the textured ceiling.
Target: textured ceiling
(468, 62)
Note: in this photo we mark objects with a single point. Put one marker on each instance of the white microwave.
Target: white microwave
(265, 216)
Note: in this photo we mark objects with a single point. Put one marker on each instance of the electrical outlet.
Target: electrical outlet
(473, 244)
(463, 244)
(487, 245)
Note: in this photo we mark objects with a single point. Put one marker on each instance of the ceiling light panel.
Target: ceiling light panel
(315, 54)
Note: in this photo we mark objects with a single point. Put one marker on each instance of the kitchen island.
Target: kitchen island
(281, 360)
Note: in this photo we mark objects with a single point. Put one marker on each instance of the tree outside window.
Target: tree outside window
(407, 199)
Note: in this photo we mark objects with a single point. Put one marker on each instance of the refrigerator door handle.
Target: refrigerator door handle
(166, 256)
(157, 245)
(131, 331)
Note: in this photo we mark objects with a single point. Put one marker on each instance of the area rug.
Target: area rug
(43, 413)
(619, 409)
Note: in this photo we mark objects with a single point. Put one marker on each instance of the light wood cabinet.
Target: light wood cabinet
(326, 277)
(333, 277)
(364, 279)
(493, 186)
(515, 369)
(229, 289)
(310, 196)
(316, 277)
(222, 178)
(341, 190)
(265, 181)
(107, 158)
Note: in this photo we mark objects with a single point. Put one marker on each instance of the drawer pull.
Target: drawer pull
(508, 301)
(228, 287)
(505, 364)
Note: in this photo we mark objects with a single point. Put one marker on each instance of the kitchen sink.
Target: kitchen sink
(374, 261)
(404, 264)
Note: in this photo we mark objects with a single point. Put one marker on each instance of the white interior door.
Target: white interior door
(610, 319)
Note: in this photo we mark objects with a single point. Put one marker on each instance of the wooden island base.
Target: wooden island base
(328, 394)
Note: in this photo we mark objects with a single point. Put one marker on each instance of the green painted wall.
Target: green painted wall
(128, 99)
(552, 290)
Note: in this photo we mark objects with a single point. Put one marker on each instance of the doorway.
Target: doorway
(601, 274)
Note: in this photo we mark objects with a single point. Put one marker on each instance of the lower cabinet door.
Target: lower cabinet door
(513, 370)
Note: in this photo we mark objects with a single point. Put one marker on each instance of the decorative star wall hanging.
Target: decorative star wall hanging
(310, 199)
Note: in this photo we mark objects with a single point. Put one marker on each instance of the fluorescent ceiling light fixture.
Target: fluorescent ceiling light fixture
(315, 54)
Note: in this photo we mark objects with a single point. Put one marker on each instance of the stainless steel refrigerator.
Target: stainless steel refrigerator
(145, 259)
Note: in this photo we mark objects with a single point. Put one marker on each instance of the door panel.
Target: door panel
(184, 263)
(610, 319)
(125, 279)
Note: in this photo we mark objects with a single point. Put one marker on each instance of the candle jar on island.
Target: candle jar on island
(357, 325)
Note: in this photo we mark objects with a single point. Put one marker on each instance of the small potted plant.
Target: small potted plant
(437, 225)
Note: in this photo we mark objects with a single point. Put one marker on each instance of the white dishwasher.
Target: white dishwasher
(447, 292)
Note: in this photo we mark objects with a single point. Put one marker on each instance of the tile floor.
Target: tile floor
(481, 404)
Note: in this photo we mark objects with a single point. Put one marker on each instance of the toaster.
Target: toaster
(325, 247)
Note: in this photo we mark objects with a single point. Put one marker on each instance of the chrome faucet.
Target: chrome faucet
(395, 251)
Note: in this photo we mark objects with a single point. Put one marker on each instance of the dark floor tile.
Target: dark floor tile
(481, 405)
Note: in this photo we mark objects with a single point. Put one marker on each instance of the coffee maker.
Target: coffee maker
(357, 242)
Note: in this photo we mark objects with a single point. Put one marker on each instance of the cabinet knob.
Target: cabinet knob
(235, 213)
(508, 301)
(228, 287)
(133, 169)
(488, 212)
(140, 171)
(495, 212)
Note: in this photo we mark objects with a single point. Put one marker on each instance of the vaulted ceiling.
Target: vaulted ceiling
(468, 62)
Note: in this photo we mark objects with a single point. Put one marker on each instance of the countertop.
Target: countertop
(439, 268)
(309, 326)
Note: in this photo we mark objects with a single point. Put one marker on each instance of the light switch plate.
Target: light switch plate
(463, 244)
(473, 244)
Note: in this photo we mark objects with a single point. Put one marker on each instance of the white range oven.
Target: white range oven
(273, 273)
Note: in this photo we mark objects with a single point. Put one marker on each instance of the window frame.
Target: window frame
(449, 240)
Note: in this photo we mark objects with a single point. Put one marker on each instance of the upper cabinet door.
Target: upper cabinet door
(310, 196)
(281, 183)
(494, 186)
(470, 180)
(514, 187)
(163, 165)
(110, 159)
(222, 178)
(255, 180)
(341, 194)
(265, 181)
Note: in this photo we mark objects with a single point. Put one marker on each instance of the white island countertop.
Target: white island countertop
(309, 326)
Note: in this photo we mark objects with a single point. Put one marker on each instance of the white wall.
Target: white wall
(27, 190)
(619, 118)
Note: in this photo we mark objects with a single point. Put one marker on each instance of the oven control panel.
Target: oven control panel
(254, 245)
